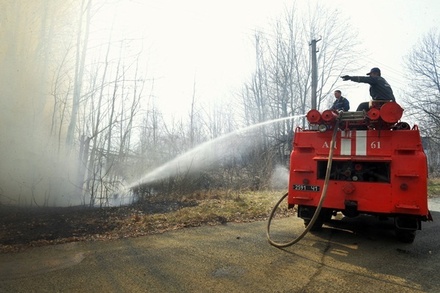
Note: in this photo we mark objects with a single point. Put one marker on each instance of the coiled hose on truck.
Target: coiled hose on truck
(321, 201)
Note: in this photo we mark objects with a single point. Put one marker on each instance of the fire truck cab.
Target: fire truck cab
(378, 168)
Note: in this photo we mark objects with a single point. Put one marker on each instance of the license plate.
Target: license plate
(302, 187)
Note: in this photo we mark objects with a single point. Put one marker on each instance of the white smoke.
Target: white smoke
(280, 178)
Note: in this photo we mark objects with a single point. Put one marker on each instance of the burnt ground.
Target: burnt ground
(23, 227)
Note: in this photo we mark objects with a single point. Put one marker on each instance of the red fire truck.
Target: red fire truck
(377, 167)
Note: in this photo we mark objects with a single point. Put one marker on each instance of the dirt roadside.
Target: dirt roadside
(25, 227)
(22, 228)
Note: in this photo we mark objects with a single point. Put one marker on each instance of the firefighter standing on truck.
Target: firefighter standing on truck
(380, 89)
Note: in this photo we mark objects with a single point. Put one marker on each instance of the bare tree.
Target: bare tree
(424, 95)
(422, 100)
(81, 50)
(281, 84)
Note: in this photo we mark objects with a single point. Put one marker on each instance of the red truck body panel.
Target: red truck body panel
(382, 171)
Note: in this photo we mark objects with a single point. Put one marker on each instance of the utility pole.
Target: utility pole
(314, 72)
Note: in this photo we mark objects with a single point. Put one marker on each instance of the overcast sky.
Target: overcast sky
(210, 42)
(389, 30)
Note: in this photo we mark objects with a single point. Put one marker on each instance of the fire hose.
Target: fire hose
(321, 201)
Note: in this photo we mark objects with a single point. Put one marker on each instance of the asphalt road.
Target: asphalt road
(359, 255)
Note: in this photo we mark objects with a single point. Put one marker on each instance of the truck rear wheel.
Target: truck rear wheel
(325, 215)
(405, 236)
(406, 227)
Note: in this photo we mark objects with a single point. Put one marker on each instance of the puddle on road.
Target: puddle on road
(229, 272)
(37, 265)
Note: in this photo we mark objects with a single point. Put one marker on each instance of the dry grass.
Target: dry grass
(434, 187)
(212, 208)
(24, 227)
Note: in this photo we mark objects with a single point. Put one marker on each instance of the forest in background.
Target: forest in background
(81, 120)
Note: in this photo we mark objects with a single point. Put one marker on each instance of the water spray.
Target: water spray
(202, 156)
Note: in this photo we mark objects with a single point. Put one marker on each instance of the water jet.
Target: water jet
(228, 145)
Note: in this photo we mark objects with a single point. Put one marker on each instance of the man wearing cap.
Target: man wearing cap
(380, 89)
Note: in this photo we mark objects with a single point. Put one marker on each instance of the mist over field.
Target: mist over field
(79, 112)
(97, 96)
(85, 82)
(34, 168)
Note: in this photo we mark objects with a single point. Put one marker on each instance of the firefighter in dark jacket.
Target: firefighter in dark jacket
(340, 103)
(380, 89)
